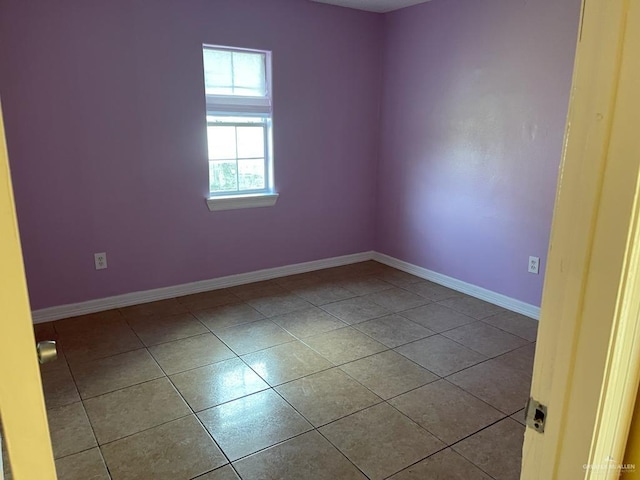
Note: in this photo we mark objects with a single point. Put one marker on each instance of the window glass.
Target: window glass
(218, 72)
(251, 174)
(223, 176)
(234, 73)
(238, 101)
(222, 142)
(248, 74)
(250, 141)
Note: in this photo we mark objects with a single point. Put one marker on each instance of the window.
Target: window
(238, 98)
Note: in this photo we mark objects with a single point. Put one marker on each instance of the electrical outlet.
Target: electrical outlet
(101, 260)
(534, 264)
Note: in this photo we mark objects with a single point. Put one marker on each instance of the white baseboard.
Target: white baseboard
(135, 298)
(460, 286)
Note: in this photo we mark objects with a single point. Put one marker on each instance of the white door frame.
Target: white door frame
(24, 417)
(587, 364)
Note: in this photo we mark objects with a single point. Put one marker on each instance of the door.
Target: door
(22, 408)
(588, 351)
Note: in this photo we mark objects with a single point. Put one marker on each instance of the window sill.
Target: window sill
(236, 202)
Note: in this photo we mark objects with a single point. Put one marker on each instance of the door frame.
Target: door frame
(587, 362)
(22, 407)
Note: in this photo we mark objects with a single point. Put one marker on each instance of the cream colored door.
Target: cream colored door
(22, 406)
(588, 351)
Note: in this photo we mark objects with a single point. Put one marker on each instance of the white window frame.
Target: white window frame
(244, 106)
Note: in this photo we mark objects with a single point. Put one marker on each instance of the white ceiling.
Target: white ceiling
(380, 6)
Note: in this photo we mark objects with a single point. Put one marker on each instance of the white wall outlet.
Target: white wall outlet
(101, 260)
(534, 264)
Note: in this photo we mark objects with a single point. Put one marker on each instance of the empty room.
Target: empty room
(283, 239)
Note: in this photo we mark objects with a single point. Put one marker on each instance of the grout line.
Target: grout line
(191, 369)
(215, 442)
(492, 358)
(79, 451)
(229, 464)
(484, 320)
(84, 399)
(323, 283)
(145, 430)
(344, 455)
(475, 433)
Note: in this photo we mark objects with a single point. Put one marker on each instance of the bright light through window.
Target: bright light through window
(237, 155)
(238, 96)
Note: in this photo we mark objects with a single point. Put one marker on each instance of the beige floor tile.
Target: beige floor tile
(383, 268)
(210, 299)
(44, 331)
(471, 306)
(519, 417)
(60, 359)
(160, 308)
(396, 299)
(398, 278)
(364, 285)
(310, 321)
(266, 288)
(70, 430)
(380, 440)
(133, 409)
(177, 450)
(249, 424)
(84, 323)
(355, 310)
(369, 267)
(326, 396)
(223, 473)
(446, 411)
(344, 345)
(219, 318)
(388, 373)
(393, 330)
(286, 362)
(211, 385)
(497, 450)
(273, 305)
(154, 330)
(485, 339)
(106, 337)
(323, 293)
(254, 336)
(437, 317)
(299, 280)
(440, 355)
(147, 430)
(444, 465)
(499, 385)
(339, 273)
(431, 291)
(521, 359)
(190, 353)
(58, 384)
(306, 457)
(515, 323)
(113, 373)
(87, 465)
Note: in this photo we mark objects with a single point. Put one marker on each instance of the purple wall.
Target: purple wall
(104, 112)
(475, 94)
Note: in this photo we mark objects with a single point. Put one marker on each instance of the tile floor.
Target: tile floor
(352, 372)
